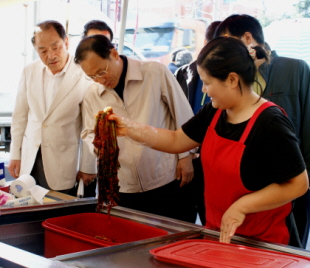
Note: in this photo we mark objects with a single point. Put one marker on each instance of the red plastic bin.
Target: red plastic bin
(74, 233)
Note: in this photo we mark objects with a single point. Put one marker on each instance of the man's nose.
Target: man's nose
(51, 53)
(100, 80)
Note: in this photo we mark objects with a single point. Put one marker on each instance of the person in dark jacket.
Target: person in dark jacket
(172, 66)
(286, 82)
(191, 84)
(183, 57)
(188, 76)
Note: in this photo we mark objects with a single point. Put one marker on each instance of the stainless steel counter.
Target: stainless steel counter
(134, 254)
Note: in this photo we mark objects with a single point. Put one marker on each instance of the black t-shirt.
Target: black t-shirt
(271, 155)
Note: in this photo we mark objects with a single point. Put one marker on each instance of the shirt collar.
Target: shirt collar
(101, 88)
(133, 73)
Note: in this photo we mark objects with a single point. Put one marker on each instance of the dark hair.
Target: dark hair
(267, 47)
(98, 43)
(183, 57)
(211, 30)
(175, 51)
(237, 25)
(224, 55)
(46, 25)
(97, 25)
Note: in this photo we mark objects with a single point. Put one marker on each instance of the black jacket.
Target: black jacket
(187, 77)
(288, 85)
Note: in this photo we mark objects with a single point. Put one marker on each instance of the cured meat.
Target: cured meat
(105, 142)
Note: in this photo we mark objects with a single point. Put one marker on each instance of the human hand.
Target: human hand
(87, 178)
(231, 220)
(135, 132)
(121, 124)
(185, 170)
(14, 168)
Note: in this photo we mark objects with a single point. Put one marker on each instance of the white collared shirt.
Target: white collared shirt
(51, 83)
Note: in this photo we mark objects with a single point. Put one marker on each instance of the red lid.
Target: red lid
(211, 254)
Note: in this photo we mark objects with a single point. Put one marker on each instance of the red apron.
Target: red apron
(221, 159)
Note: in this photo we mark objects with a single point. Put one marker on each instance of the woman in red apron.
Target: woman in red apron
(252, 163)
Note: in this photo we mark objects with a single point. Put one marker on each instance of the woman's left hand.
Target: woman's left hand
(231, 220)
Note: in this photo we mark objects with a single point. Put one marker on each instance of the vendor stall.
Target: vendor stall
(22, 234)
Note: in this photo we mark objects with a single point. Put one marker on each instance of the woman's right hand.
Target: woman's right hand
(121, 124)
(135, 132)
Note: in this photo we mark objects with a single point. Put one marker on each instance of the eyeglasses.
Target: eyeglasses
(101, 74)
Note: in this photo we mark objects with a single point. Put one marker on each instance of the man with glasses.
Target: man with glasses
(148, 93)
(46, 122)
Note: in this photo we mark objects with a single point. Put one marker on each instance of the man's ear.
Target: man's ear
(67, 43)
(114, 53)
(247, 39)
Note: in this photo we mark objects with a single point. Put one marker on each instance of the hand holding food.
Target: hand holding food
(134, 131)
(121, 123)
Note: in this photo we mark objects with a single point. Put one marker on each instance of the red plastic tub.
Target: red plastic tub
(85, 231)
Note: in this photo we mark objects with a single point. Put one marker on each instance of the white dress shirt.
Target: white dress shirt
(51, 83)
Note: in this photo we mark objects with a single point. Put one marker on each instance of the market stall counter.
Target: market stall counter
(26, 238)
(21, 226)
